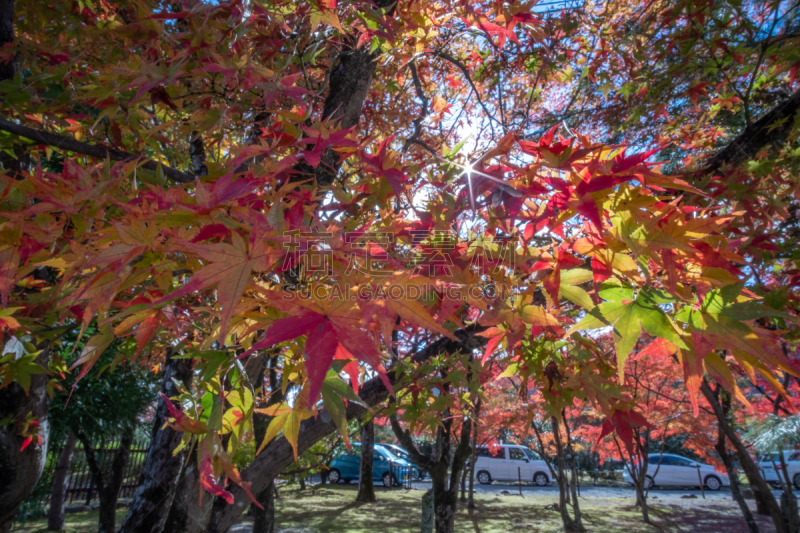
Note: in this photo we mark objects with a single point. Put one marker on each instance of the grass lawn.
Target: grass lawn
(75, 522)
(331, 509)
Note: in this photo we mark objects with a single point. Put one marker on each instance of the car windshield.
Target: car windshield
(532, 454)
(389, 454)
(399, 452)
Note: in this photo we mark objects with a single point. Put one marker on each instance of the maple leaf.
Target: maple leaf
(323, 139)
(628, 315)
(230, 267)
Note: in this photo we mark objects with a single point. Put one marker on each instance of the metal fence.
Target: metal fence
(403, 474)
(80, 484)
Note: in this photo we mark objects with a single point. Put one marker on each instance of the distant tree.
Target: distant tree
(107, 406)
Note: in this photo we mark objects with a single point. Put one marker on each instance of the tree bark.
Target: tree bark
(265, 518)
(751, 470)
(188, 513)
(445, 492)
(110, 494)
(570, 523)
(463, 498)
(736, 493)
(278, 454)
(21, 469)
(366, 485)
(154, 494)
(7, 69)
(756, 136)
(55, 515)
(473, 459)
(108, 488)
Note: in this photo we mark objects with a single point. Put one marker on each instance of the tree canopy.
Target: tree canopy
(356, 188)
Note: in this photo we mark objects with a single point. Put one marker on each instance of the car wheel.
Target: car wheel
(417, 475)
(648, 483)
(796, 481)
(484, 478)
(713, 483)
(388, 480)
(334, 476)
(540, 479)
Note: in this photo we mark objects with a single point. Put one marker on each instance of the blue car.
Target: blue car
(417, 473)
(386, 467)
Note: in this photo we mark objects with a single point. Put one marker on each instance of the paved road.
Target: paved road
(586, 491)
(596, 492)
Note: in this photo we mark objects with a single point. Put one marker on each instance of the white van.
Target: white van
(509, 462)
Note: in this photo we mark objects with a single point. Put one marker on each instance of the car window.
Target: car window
(497, 452)
(517, 454)
(533, 455)
(378, 456)
(484, 452)
(400, 453)
(680, 461)
(654, 459)
(794, 457)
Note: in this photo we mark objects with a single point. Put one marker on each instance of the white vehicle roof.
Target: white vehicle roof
(505, 446)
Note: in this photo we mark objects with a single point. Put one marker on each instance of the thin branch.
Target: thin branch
(100, 152)
(458, 64)
(414, 139)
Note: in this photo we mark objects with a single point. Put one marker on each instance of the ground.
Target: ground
(332, 509)
(85, 522)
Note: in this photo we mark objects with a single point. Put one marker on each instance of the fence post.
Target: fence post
(700, 478)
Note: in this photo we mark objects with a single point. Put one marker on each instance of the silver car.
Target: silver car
(668, 469)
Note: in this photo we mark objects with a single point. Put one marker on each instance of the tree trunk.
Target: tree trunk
(151, 502)
(20, 469)
(55, 515)
(8, 69)
(464, 485)
(751, 470)
(188, 514)
(109, 492)
(570, 524)
(736, 493)
(265, 518)
(790, 514)
(427, 512)
(576, 509)
(641, 501)
(445, 500)
(366, 486)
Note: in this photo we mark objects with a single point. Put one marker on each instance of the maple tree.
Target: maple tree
(369, 185)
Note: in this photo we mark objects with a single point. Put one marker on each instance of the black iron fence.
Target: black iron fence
(80, 484)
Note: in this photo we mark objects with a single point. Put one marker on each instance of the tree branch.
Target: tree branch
(422, 114)
(458, 64)
(770, 128)
(100, 152)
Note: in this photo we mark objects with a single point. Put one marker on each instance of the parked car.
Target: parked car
(509, 462)
(679, 471)
(417, 473)
(386, 467)
(768, 472)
